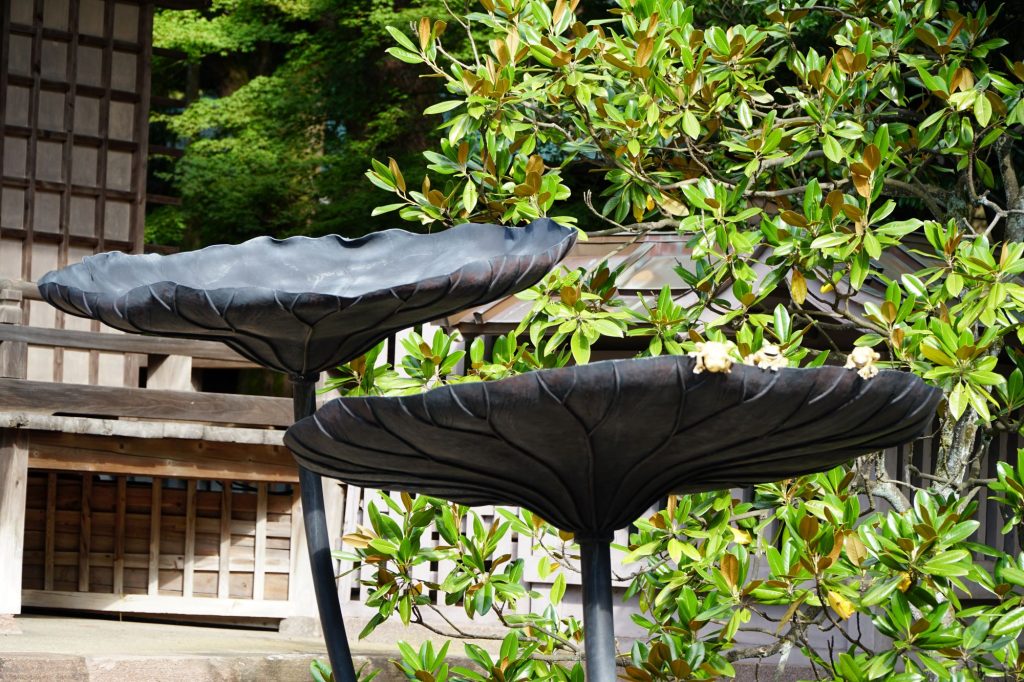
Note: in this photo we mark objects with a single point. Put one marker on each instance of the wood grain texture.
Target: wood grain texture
(590, 448)
(41, 396)
(13, 488)
(119, 343)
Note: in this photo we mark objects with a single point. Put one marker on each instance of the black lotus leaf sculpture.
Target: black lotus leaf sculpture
(301, 305)
(590, 448)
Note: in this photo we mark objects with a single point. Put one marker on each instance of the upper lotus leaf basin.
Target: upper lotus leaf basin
(590, 448)
(301, 305)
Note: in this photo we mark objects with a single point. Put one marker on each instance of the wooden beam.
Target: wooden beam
(142, 603)
(136, 459)
(119, 343)
(13, 486)
(112, 463)
(106, 401)
(168, 562)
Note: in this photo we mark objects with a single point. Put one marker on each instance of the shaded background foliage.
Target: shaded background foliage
(288, 100)
(287, 104)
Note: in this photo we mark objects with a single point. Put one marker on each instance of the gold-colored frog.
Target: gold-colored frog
(862, 359)
(768, 356)
(713, 356)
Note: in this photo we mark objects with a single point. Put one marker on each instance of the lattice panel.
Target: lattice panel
(74, 81)
(122, 535)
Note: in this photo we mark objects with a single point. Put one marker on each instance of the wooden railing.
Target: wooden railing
(19, 394)
(192, 552)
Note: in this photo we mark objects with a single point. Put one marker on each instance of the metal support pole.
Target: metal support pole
(598, 626)
(319, 544)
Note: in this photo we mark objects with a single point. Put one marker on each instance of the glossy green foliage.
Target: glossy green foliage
(844, 175)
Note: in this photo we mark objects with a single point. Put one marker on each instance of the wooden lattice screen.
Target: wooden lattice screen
(124, 543)
(74, 78)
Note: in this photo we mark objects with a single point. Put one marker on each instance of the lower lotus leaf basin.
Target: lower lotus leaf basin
(302, 305)
(591, 448)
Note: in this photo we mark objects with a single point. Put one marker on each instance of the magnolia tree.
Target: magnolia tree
(795, 151)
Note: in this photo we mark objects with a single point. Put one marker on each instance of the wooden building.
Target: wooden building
(122, 488)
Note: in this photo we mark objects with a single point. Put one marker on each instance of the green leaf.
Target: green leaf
(690, 124)
(580, 345)
(954, 284)
(404, 55)
(401, 39)
(914, 286)
(558, 589)
(387, 208)
(1010, 624)
(953, 562)
(829, 241)
(982, 109)
(832, 149)
(441, 107)
(743, 114)
(880, 591)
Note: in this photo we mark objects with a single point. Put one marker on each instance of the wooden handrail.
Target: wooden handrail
(119, 343)
(28, 289)
(146, 403)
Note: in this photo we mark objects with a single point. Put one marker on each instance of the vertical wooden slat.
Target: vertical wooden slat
(154, 536)
(63, 217)
(224, 574)
(99, 211)
(350, 519)
(85, 534)
(5, 41)
(300, 578)
(190, 539)
(143, 88)
(119, 533)
(259, 565)
(101, 156)
(13, 487)
(30, 159)
(51, 529)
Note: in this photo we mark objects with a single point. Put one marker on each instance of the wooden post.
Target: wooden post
(170, 372)
(305, 615)
(85, 536)
(13, 354)
(224, 572)
(154, 537)
(120, 523)
(188, 581)
(260, 549)
(304, 620)
(51, 530)
(13, 485)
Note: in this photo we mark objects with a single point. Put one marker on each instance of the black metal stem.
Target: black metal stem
(318, 542)
(598, 626)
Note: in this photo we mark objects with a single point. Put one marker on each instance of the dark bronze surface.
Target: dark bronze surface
(302, 305)
(590, 448)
